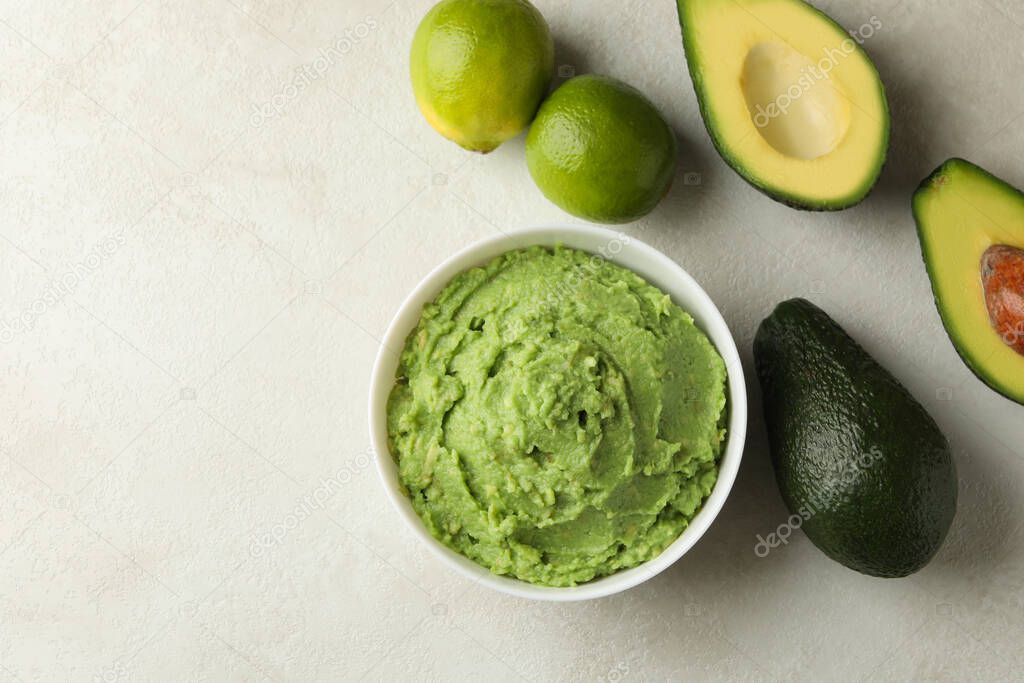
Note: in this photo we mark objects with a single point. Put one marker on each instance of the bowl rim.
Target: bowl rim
(708, 318)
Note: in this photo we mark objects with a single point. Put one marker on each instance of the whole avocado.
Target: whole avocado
(855, 455)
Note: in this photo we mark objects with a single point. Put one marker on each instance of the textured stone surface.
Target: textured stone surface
(209, 210)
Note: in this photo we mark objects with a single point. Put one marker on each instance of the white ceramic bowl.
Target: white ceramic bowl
(623, 250)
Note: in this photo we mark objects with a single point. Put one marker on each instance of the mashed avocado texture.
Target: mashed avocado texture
(556, 418)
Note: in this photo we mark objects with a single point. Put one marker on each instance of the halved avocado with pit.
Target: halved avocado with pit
(971, 227)
(790, 99)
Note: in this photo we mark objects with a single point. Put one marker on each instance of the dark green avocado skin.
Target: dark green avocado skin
(854, 453)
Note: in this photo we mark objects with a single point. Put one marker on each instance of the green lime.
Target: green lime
(480, 69)
(601, 151)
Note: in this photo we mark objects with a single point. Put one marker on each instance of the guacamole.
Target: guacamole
(555, 417)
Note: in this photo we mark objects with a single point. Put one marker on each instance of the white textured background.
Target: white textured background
(205, 287)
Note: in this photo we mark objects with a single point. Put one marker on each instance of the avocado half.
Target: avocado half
(790, 99)
(963, 214)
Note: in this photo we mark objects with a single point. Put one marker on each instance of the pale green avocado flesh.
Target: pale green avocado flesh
(556, 418)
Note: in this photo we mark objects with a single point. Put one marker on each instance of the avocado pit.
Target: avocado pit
(1002, 276)
(796, 107)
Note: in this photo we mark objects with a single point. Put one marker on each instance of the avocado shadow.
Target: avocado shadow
(913, 148)
(979, 541)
